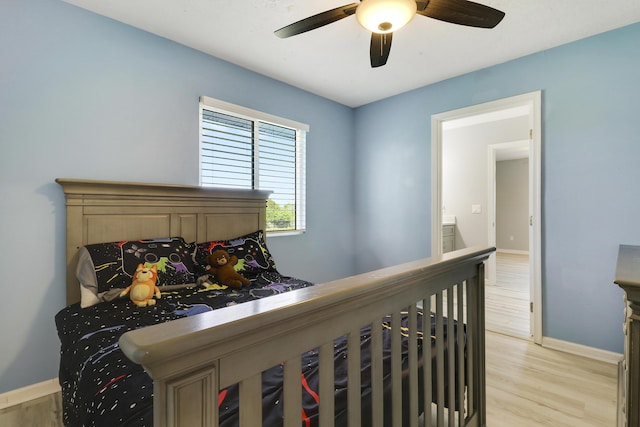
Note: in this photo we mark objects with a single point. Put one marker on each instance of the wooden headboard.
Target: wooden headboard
(106, 211)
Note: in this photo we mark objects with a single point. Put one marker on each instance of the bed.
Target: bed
(279, 352)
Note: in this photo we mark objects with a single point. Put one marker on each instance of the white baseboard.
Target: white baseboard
(582, 350)
(28, 393)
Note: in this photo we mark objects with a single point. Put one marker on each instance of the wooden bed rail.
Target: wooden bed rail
(192, 359)
(628, 278)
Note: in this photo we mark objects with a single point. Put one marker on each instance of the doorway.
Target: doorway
(508, 285)
(473, 215)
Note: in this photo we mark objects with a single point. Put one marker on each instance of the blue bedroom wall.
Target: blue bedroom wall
(82, 96)
(590, 174)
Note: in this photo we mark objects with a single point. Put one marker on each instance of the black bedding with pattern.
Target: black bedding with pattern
(101, 387)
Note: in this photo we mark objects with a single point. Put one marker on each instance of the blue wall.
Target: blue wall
(82, 96)
(590, 173)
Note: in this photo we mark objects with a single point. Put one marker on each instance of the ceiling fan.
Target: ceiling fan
(382, 17)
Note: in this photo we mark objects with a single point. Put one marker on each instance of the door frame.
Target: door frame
(533, 101)
(493, 150)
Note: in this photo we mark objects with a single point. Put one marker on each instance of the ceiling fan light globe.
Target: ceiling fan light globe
(385, 16)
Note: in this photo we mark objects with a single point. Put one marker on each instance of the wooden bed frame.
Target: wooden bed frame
(191, 359)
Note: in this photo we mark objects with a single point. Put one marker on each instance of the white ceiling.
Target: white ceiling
(333, 61)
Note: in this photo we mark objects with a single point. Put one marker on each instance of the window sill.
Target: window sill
(271, 234)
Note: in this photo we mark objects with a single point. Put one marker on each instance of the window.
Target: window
(243, 148)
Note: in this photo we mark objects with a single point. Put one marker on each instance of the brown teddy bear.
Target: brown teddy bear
(220, 264)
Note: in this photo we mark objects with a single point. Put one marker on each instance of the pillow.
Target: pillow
(105, 269)
(254, 259)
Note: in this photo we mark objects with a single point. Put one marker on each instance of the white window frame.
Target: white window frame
(301, 129)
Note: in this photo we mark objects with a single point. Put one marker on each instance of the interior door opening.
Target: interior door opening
(471, 216)
(508, 285)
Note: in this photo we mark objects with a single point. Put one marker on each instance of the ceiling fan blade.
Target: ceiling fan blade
(317, 21)
(421, 5)
(463, 12)
(380, 48)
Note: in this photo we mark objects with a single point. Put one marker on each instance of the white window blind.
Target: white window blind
(242, 148)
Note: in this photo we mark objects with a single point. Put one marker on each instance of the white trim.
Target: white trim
(491, 263)
(512, 251)
(582, 350)
(534, 101)
(29, 393)
(301, 181)
(285, 233)
(436, 185)
(535, 204)
(252, 114)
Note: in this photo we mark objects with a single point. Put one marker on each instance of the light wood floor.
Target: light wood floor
(531, 386)
(507, 301)
(528, 385)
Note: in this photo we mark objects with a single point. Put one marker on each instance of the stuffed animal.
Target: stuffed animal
(143, 287)
(220, 264)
